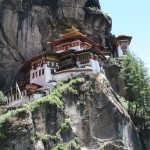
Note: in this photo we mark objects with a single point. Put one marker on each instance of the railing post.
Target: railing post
(8, 99)
(12, 98)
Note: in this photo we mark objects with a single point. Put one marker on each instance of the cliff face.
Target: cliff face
(27, 25)
(112, 74)
(83, 113)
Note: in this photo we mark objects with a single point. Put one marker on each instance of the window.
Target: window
(39, 72)
(52, 71)
(55, 64)
(124, 45)
(84, 59)
(33, 75)
(42, 71)
(36, 74)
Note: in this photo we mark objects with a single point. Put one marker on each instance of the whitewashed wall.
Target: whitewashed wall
(43, 79)
(120, 52)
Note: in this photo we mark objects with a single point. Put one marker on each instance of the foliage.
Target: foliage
(65, 125)
(3, 99)
(73, 144)
(71, 87)
(48, 137)
(53, 99)
(137, 86)
(115, 61)
(111, 61)
(123, 102)
(4, 118)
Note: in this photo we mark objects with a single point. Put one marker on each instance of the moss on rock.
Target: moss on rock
(73, 144)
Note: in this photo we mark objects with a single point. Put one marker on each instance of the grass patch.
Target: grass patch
(73, 86)
(54, 98)
(5, 117)
(73, 144)
(65, 125)
(48, 137)
(124, 102)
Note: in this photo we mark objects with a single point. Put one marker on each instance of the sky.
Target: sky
(132, 18)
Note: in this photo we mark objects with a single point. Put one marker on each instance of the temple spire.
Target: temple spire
(72, 32)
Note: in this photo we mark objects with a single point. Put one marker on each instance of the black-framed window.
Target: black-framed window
(33, 75)
(43, 71)
(39, 72)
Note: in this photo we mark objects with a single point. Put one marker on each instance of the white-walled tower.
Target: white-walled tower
(123, 44)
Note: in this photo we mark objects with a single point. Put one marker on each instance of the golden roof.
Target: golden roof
(72, 32)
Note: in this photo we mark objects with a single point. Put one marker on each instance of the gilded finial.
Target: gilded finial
(72, 32)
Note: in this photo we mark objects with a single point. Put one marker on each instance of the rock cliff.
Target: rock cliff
(83, 113)
(27, 25)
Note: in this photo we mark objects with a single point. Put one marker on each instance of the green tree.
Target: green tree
(137, 85)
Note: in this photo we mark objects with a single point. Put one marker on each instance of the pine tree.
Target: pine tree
(137, 85)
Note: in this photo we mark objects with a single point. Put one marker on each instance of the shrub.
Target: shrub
(3, 99)
(48, 137)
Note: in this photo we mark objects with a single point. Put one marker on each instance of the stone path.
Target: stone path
(20, 102)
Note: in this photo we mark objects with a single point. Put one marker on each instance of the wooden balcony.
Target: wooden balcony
(70, 62)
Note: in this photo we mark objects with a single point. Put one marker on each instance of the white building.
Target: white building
(123, 43)
(74, 54)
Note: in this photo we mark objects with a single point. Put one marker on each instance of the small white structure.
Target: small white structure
(123, 44)
(42, 71)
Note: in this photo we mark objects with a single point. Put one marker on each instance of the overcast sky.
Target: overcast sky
(132, 18)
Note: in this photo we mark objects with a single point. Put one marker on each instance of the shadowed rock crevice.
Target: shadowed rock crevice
(92, 3)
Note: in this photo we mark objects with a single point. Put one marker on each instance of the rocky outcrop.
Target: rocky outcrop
(27, 25)
(90, 117)
(145, 139)
(101, 122)
(26, 127)
(112, 73)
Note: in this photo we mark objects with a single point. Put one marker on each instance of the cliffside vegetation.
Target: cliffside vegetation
(137, 86)
(53, 99)
(45, 105)
(76, 114)
(3, 99)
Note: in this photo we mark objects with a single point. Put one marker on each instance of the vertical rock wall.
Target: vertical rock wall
(98, 118)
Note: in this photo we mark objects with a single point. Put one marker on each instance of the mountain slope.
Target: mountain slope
(83, 113)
